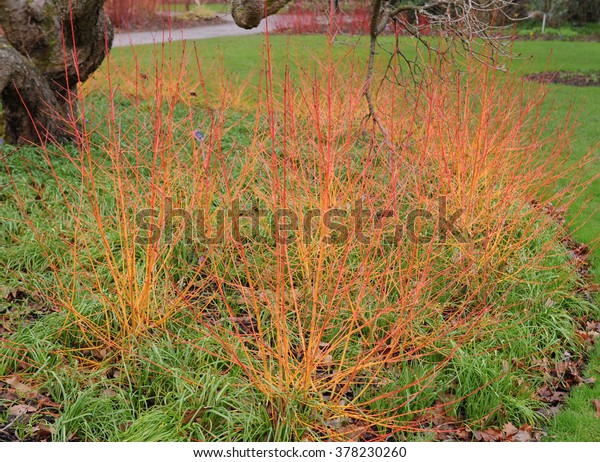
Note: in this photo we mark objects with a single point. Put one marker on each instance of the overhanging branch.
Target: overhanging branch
(249, 13)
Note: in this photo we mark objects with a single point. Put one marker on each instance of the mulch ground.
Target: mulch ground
(576, 79)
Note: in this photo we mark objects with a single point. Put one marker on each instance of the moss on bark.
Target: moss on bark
(42, 37)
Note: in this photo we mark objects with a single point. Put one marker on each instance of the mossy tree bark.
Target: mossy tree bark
(49, 47)
(249, 13)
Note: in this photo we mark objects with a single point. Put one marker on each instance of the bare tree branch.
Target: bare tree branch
(467, 21)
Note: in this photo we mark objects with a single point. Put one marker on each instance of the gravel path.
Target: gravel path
(225, 29)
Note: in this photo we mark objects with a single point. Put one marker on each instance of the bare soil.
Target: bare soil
(576, 79)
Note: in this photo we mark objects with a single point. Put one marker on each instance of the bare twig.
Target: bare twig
(468, 21)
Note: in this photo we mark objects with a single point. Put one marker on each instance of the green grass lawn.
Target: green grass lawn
(567, 31)
(130, 401)
(219, 8)
(578, 421)
(576, 56)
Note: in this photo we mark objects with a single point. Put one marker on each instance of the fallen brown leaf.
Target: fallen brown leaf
(8, 396)
(44, 401)
(522, 437)
(19, 410)
(20, 388)
(489, 435)
(596, 404)
(193, 414)
(509, 430)
(122, 426)
(463, 434)
(43, 432)
(524, 434)
(108, 393)
(353, 432)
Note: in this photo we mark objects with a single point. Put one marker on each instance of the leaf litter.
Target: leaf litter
(25, 408)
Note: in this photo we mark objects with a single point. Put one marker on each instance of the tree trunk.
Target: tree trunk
(50, 46)
(249, 13)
